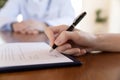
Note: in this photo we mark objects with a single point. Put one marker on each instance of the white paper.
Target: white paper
(17, 54)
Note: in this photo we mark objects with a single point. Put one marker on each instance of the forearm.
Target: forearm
(107, 42)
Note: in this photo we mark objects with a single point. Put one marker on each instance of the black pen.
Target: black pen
(75, 22)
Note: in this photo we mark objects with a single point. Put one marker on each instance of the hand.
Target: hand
(29, 27)
(35, 26)
(74, 43)
(19, 27)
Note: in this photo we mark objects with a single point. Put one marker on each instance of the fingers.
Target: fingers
(64, 47)
(50, 35)
(35, 32)
(67, 49)
(52, 32)
(75, 52)
(28, 30)
(31, 31)
(28, 27)
(65, 36)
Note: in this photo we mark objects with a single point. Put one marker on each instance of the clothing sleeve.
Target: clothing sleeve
(9, 13)
(6, 27)
(66, 14)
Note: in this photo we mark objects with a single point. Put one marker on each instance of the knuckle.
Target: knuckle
(65, 34)
(77, 50)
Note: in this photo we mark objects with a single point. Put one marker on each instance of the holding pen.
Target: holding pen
(78, 42)
(71, 28)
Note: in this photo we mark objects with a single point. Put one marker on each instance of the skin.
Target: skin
(28, 27)
(78, 42)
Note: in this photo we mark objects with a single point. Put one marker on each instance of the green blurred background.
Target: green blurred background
(2, 2)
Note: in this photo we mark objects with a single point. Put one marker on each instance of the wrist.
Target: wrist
(13, 26)
(94, 42)
(98, 43)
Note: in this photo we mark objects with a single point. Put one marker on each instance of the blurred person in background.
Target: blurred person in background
(37, 15)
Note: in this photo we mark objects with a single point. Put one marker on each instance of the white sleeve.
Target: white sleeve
(9, 12)
(66, 14)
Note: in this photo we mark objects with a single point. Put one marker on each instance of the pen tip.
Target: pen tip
(51, 50)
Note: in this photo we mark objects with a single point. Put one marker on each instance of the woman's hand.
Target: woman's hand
(74, 43)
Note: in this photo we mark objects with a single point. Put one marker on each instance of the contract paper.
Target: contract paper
(20, 54)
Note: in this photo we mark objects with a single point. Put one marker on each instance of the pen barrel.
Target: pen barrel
(76, 21)
(54, 46)
(79, 18)
(70, 28)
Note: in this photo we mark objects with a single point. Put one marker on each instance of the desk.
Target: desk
(104, 66)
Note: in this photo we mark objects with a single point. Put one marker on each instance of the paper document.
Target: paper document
(17, 54)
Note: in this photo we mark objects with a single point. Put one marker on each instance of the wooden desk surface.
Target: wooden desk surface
(104, 66)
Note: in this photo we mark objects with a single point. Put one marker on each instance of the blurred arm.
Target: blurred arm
(8, 13)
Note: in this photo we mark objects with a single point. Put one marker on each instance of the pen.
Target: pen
(75, 22)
